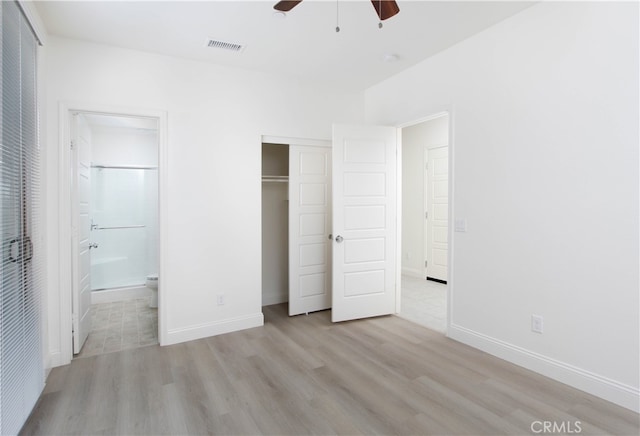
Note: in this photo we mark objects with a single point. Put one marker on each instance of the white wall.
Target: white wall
(545, 151)
(124, 146)
(430, 134)
(216, 117)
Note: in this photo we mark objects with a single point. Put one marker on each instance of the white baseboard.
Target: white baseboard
(603, 387)
(192, 333)
(268, 300)
(55, 359)
(412, 272)
(120, 294)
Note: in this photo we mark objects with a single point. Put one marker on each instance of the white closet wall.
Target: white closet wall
(275, 224)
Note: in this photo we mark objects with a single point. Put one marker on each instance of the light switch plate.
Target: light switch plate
(460, 225)
(537, 323)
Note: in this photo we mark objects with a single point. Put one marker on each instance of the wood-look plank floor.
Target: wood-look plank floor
(305, 375)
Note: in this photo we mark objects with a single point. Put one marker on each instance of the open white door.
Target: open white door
(80, 229)
(437, 189)
(364, 221)
(309, 228)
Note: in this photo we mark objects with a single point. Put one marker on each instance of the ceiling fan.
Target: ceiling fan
(384, 8)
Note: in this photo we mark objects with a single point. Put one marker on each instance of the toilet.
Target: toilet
(152, 284)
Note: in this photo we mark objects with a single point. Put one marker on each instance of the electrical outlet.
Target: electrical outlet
(220, 299)
(537, 323)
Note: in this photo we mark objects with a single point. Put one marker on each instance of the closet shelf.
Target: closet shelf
(272, 179)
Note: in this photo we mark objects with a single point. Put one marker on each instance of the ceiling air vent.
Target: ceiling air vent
(214, 43)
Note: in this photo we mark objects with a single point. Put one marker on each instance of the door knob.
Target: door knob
(339, 239)
(93, 245)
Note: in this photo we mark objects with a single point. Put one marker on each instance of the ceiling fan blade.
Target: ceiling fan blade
(385, 8)
(286, 6)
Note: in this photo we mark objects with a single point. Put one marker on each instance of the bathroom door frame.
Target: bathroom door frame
(423, 116)
(66, 109)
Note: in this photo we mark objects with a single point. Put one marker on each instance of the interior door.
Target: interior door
(81, 229)
(309, 228)
(364, 221)
(437, 190)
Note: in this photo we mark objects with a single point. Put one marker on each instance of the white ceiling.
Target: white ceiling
(304, 45)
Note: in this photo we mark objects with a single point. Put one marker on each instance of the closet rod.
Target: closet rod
(282, 179)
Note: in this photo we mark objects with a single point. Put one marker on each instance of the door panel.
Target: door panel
(437, 189)
(81, 231)
(309, 228)
(364, 221)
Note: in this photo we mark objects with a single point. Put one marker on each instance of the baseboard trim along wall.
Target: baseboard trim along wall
(200, 331)
(268, 300)
(55, 359)
(610, 390)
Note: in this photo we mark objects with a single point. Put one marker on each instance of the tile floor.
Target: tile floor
(424, 302)
(121, 325)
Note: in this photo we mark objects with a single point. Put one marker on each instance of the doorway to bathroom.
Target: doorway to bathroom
(425, 221)
(115, 231)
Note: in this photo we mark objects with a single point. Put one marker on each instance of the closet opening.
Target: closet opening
(275, 224)
(296, 224)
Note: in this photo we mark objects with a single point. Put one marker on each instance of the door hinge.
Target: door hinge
(426, 215)
(425, 263)
(71, 142)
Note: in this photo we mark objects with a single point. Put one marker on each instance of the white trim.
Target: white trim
(451, 175)
(399, 150)
(437, 114)
(64, 228)
(610, 390)
(267, 139)
(206, 330)
(65, 353)
(35, 21)
(55, 359)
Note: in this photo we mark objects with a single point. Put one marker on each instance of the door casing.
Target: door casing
(65, 111)
(428, 114)
(80, 231)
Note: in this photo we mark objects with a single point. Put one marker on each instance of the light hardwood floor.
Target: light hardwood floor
(304, 375)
